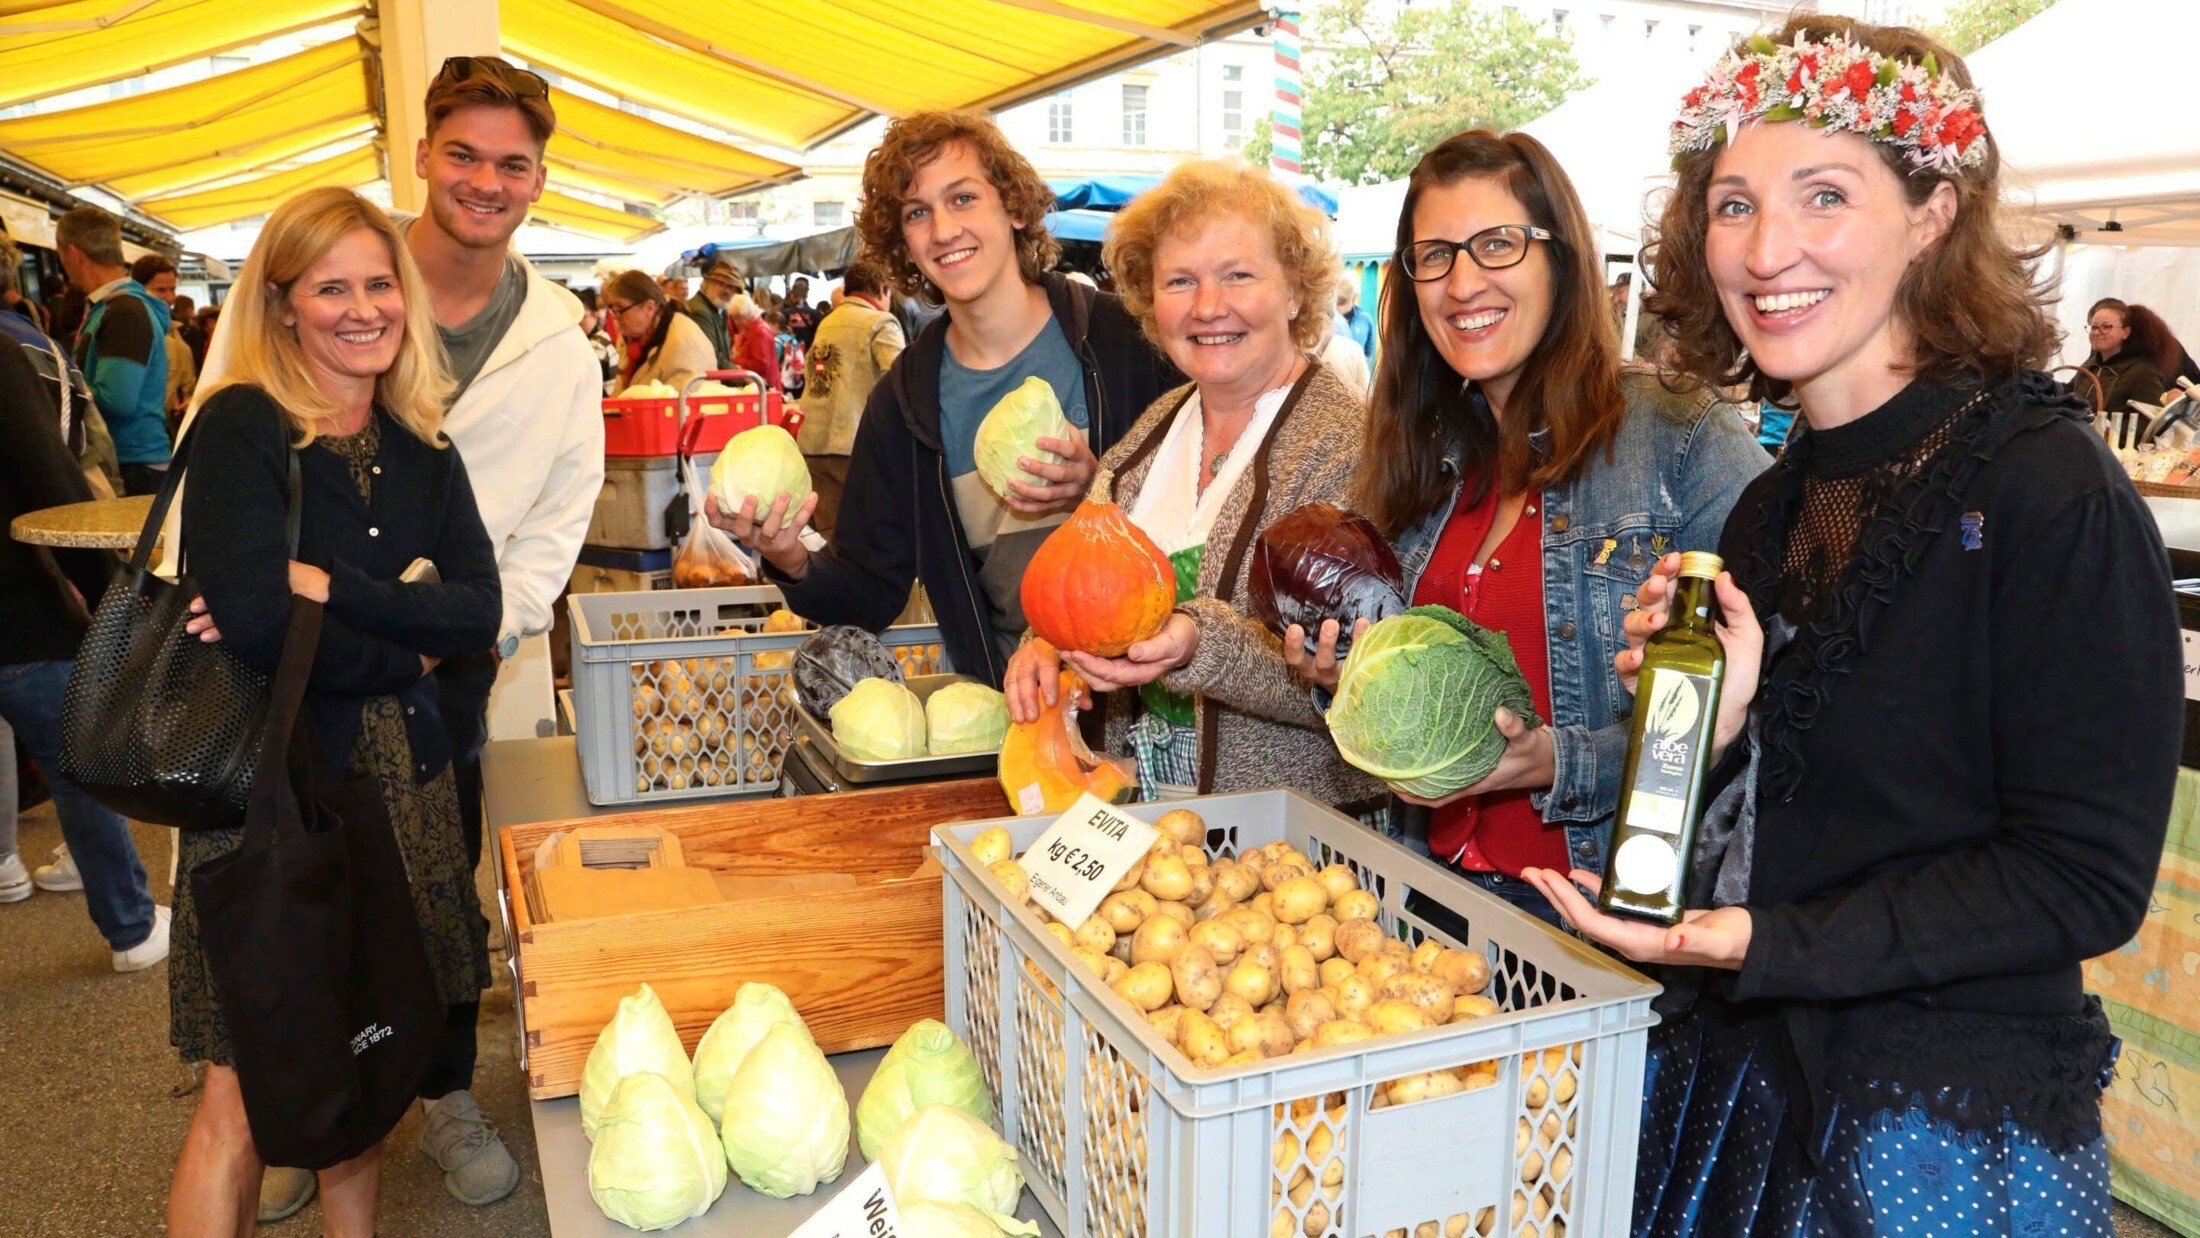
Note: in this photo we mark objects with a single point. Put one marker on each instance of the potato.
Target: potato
(1094, 961)
(1182, 826)
(1198, 979)
(1433, 996)
(1130, 878)
(1229, 1008)
(1203, 883)
(1262, 954)
(1284, 935)
(1167, 1021)
(992, 845)
(1166, 877)
(1195, 855)
(1354, 996)
(1478, 1075)
(1253, 926)
(1146, 986)
(1251, 982)
(1298, 972)
(1426, 954)
(1012, 877)
(1355, 905)
(1094, 935)
(1531, 1167)
(1380, 967)
(1392, 945)
(1547, 1132)
(1537, 1093)
(1112, 969)
(1333, 972)
(1236, 881)
(1317, 1219)
(1466, 971)
(1277, 850)
(1358, 939)
(1341, 1032)
(1273, 877)
(1319, 936)
(1254, 860)
(1413, 1087)
(1286, 1149)
(1263, 905)
(1158, 940)
(1393, 1016)
(1338, 880)
(1126, 911)
(1298, 899)
(1473, 1006)
(1121, 950)
(1203, 1040)
(1175, 911)
(1220, 939)
(1307, 1010)
(1061, 932)
(1563, 1090)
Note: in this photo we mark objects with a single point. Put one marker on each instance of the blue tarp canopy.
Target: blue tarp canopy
(1112, 193)
(1080, 225)
(761, 257)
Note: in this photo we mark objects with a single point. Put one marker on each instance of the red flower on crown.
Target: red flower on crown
(1960, 128)
(1859, 80)
(1747, 80)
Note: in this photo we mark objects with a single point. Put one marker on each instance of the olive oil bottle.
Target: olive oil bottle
(1668, 753)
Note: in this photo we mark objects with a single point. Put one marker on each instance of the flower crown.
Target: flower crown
(1835, 84)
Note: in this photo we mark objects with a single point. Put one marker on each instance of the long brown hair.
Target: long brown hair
(1971, 302)
(2150, 337)
(637, 287)
(1569, 385)
(918, 139)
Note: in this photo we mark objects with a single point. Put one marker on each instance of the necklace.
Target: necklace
(1214, 467)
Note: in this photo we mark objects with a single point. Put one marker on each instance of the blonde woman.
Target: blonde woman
(334, 355)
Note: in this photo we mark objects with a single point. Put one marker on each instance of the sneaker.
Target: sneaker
(284, 1191)
(476, 1167)
(150, 951)
(15, 880)
(61, 875)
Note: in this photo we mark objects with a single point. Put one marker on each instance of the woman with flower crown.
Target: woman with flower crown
(1879, 1025)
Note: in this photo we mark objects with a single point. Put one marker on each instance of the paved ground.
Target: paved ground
(91, 1116)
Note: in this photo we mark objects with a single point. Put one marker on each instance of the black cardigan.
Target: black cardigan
(376, 628)
(1967, 766)
(37, 471)
(897, 517)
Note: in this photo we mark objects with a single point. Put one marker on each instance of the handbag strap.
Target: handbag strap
(272, 788)
(178, 462)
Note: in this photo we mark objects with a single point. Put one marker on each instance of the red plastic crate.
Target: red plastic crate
(652, 427)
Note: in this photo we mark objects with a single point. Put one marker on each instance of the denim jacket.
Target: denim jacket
(1677, 467)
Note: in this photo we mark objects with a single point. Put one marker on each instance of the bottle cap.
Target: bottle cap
(1702, 564)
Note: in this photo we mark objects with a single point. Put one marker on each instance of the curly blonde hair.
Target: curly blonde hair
(264, 353)
(1202, 191)
(918, 139)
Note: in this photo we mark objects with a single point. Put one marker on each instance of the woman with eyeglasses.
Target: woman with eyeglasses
(1529, 485)
(2133, 355)
(663, 344)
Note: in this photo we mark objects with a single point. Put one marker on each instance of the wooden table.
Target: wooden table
(102, 524)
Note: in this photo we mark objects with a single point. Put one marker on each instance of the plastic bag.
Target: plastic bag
(1322, 562)
(707, 558)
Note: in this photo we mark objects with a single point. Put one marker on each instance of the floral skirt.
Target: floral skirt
(424, 818)
(1712, 1161)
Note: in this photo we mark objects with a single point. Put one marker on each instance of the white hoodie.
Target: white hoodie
(530, 430)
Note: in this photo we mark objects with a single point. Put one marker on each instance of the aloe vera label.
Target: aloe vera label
(1674, 721)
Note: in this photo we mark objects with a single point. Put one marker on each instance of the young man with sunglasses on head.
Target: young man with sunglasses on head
(527, 419)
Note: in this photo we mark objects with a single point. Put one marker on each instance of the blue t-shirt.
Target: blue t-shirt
(1003, 540)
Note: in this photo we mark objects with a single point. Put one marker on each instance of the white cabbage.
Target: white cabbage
(965, 717)
(786, 1125)
(1013, 428)
(945, 1156)
(929, 1065)
(762, 464)
(656, 1161)
(639, 1037)
(879, 720)
(756, 1009)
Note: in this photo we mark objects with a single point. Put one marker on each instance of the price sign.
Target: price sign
(863, 1209)
(2192, 665)
(1081, 857)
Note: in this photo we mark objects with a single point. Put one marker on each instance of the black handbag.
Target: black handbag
(157, 724)
(310, 936)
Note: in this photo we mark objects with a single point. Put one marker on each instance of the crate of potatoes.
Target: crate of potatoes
(1168, 1068)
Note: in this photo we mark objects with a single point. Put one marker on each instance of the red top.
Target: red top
(1500, 832)
(756, 349)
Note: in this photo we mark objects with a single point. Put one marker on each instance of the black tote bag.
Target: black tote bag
(310, 936)
(157, 724)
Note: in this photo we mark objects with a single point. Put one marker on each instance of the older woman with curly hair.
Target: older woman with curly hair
(1232, 276)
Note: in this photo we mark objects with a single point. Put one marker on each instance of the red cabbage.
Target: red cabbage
(1322, 562)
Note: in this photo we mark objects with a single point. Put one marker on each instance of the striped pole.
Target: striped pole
(1284, 156)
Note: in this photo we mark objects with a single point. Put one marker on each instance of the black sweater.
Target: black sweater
(1968, 762)
(897, 517)
(376, 628)
(36, 471)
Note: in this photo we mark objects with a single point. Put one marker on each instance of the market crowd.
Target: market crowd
(1875, 1020)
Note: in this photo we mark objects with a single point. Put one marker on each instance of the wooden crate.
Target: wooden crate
(860, 964)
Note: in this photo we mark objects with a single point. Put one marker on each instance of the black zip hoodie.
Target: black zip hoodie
(897, 517)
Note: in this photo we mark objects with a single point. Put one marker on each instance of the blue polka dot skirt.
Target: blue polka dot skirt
(1712, 1161)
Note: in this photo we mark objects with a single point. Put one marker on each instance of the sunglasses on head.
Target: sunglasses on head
(460, 69)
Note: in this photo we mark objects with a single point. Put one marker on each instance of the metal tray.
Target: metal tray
(859, 772)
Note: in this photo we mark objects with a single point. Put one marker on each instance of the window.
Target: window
(1693, 32)
(1605, 22)
(1649, 28)
(828, 214)
(1058, 121)
(1233, 73)
(1134, 116)
(1558, 21)
(744, 209)
(1233, 118)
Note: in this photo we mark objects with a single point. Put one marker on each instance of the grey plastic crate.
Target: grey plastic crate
(630, 509)
(677, 694)
(1121, 1137)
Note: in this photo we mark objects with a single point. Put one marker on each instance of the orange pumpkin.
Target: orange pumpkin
(1045, 764)
(1098, 584)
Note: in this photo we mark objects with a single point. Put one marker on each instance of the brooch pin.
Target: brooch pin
(1658, 543)
(1974, 530)
(1604, 552)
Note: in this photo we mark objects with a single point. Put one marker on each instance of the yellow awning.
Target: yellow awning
(154, 142)
(259, 194)
(50, 48)
(611, 146)
(581, 215)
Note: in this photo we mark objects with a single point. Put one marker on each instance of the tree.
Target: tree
(1971, 24)
(1378, 93)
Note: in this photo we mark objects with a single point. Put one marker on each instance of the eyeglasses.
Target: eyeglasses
(458, 69)
(616, 309)
(2102, 326)
(1492, 249)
